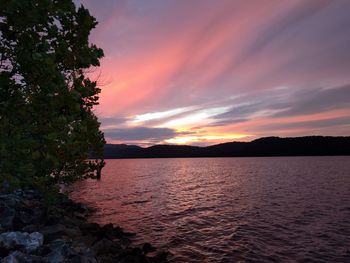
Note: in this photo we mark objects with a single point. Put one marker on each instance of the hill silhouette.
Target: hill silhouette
(268, 146)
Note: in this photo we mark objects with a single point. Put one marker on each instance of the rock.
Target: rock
(4, 252)
(19, 257)
(5, 186)
(36, 240)
(59, 231)
(7, 214)
(24, 216)
(54, 215)
(90, 228)
(125, 242)
(17, 211)
(108, 231)
(147, 248)
(129, 234)
(61, 251)
(79, 216)
(136, 251)
(88, 240)
(58, 252)
(30, 228)
(102, 246)
(22, 240)
(81, 252)
(82, 259)
(72, 221)
(132, 259)
(72, 232)
(27, 222)
(161, 257)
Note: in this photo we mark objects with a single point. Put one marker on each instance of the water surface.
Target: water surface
(278, 209)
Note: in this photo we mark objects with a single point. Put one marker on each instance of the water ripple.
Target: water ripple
(291, 209)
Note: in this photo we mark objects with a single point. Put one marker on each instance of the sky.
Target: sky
(202, 72)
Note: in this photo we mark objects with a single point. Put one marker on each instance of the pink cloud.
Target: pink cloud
(163, 55)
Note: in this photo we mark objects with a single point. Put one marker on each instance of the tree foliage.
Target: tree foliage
(47, 123)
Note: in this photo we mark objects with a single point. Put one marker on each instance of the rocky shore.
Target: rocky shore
(32, 231)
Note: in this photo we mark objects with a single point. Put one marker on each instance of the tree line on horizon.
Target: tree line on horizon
(268, 146)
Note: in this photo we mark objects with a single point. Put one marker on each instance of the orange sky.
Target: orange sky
(202, 72)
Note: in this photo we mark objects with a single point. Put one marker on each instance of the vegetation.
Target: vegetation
(47, 123)
(269, 146)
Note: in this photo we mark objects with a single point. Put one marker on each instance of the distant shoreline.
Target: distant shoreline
(210, 157)
(263, 147)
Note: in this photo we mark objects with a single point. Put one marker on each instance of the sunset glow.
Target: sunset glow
(203, 72)
(205, 138)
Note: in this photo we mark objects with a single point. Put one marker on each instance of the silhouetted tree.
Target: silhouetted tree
(47, 126)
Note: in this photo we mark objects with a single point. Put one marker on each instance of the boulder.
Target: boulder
(81, 259)
(148, 248)
(4, 252)
(18, 210)
(19, 257)
(7, 213)
(27, 221)
(58, 231)
(58, 251)
(102, 246)
(54, 215)
(90, 228)
(5, 186)
(31, 228)
(21, 240)
(161, 257)
(29, 211)
(88, 240)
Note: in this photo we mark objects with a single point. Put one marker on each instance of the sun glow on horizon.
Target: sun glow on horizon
(208, 138)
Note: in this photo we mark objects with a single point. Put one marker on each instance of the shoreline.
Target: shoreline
(33, 231)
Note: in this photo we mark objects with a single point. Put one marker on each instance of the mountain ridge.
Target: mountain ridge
(266, 146)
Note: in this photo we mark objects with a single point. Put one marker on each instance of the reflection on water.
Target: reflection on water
(229, 209)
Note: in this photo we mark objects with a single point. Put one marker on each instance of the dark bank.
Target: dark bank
(269, 146)
(31, 231)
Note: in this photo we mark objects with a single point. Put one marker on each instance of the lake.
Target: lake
(278, 209)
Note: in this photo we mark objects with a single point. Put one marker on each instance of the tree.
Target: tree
(47, 123)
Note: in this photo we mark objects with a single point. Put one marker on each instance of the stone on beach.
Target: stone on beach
(31, 231)
(21, 240)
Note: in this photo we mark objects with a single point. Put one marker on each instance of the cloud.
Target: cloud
(224, 48)
(156, 116)
(315, 124)
(113, 121)
(203, 115)
(140, 134)
(262, 60)
(317, 100)
(286, 102)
